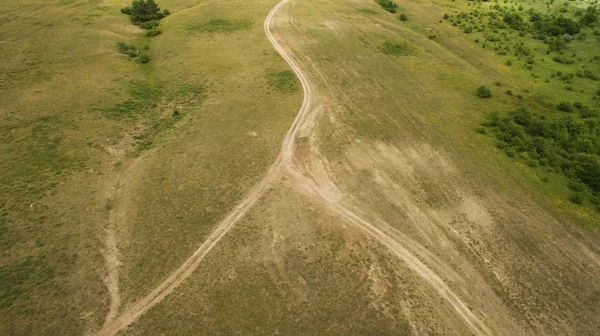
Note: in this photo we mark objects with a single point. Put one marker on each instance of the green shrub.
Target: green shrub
(521, 117)
(144, 59)
(564, 106)
(166, 12)
(127, 49)
(403, 17)
(576, 198)
(150, 24)
(153, 32)
(388, 5)
(576, 186)
(483, 92)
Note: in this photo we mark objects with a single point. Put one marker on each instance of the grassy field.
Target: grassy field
(95, 145)
(52, 147)
(398, 128)
(81, 127)
(202, 170)
(429, 172)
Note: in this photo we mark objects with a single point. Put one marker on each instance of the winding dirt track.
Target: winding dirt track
(285, 162)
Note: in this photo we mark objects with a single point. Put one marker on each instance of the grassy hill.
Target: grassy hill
(112, 172)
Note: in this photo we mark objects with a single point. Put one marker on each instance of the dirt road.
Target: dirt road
(285, 164)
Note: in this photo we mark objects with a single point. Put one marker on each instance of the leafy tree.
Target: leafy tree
(143, 11)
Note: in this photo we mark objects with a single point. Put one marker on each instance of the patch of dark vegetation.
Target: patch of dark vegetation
(396, 48)
(554, 41)
(483, 92)
(388, 5)
(150, 24)
(562, 141)
(220, 26)
(282, 81)
(153, 32)
(127, 49)
(517, 32)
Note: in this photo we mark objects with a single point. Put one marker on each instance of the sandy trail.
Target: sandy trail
(286, 163)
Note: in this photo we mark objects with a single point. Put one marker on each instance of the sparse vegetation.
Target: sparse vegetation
(220, 26)
(396, 48)
(282, 81)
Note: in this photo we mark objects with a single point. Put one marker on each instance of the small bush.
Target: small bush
(388, 5)
(166, 12)
(576, 186)
(144, 59)
(153, 32)
(564, 106)
(150, 24)
(483, 92)
(403, 17)
(127, 49)
(576, 198)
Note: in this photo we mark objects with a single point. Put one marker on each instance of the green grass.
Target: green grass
(220, 26)
(200, 120)
(254, 286)
(283, 81)
(212, 150)
(67, 106)
(397, 48)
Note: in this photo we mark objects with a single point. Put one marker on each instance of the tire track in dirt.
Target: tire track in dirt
(285, 161)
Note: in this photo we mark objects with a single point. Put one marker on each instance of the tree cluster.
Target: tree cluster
(144, 11)
(388, 5)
